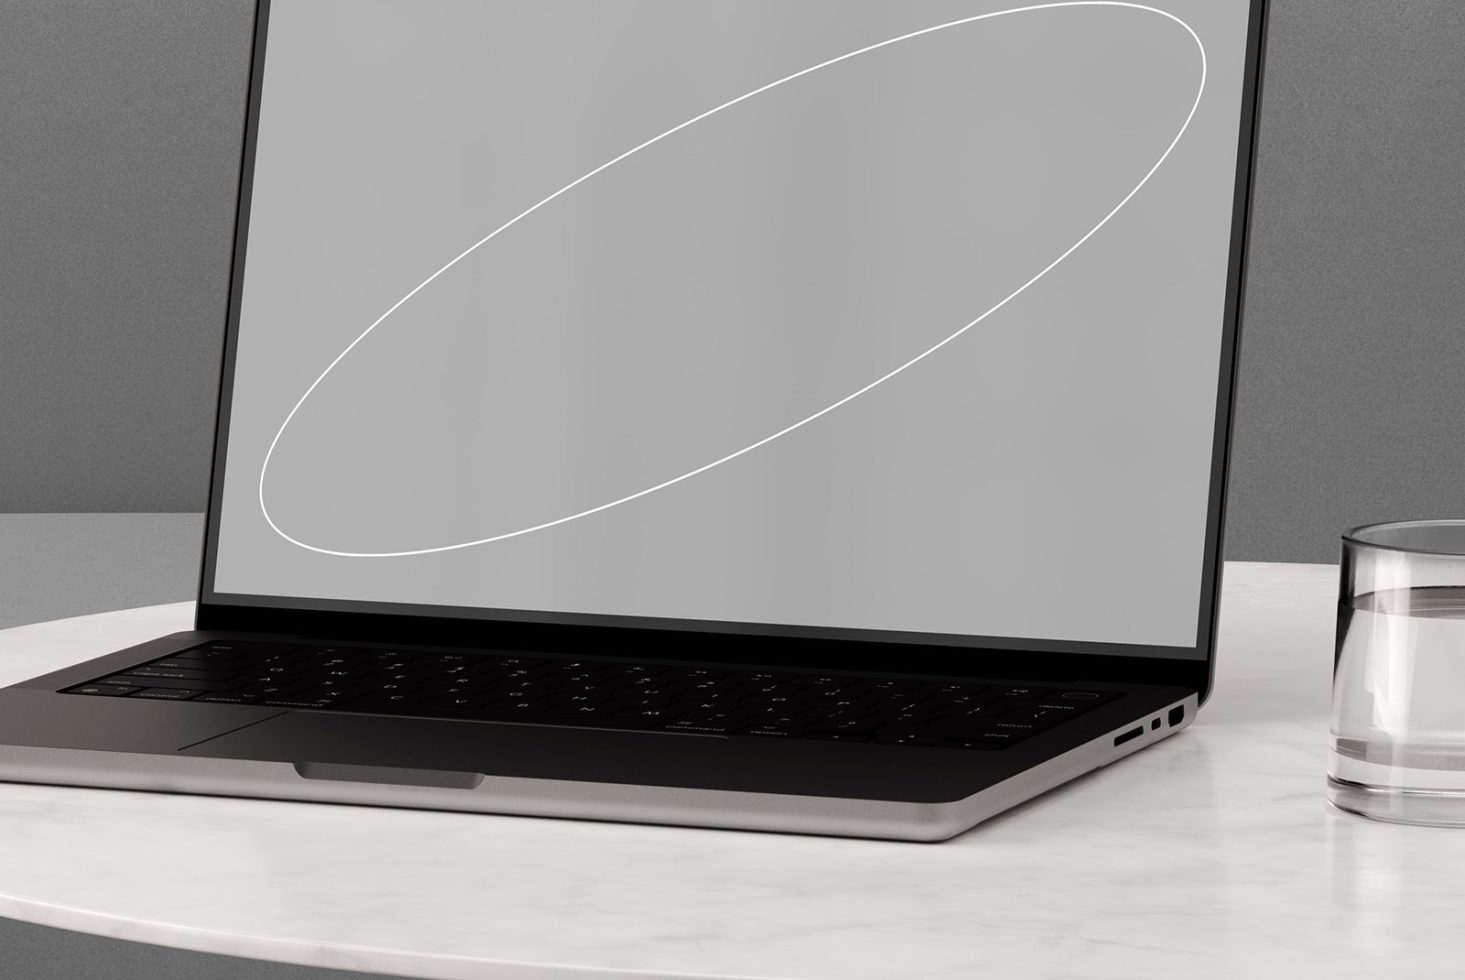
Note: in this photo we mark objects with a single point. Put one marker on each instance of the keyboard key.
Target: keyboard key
(225, 652)
(175, 673)
(166, 693)
(903, 740)
(298, 702)
(698, 728)
(973, 743)
(141, 679)
(1034, 717)
(629, 722)
(1024, 692)
(196, 666)
(771, 731)
(105, 690)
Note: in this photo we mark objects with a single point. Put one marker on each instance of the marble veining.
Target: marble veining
(1212, 854)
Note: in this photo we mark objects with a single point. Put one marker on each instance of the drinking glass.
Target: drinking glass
(1398, 729)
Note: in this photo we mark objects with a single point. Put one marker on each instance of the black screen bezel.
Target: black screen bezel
(844, 649)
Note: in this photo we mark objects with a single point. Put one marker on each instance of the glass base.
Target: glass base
(1390, 804)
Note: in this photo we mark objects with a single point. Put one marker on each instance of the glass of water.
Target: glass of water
(1398, 733)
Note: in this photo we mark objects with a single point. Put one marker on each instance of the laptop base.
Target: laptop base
(896, 792)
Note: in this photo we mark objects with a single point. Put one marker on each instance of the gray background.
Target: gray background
(118, 139)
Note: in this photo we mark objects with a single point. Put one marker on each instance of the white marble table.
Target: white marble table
(1210, 855)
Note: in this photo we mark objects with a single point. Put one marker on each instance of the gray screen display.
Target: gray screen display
(897, 315)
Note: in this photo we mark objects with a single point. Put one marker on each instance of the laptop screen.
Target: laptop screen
(848, 318)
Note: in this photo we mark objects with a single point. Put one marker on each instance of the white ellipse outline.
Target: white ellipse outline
(1200, 91)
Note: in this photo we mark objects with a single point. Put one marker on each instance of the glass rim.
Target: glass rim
(1356, 536)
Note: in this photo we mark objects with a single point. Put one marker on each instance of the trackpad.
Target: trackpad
(368, 748)
(430, 752)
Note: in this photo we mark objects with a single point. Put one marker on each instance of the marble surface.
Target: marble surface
(1212, 854)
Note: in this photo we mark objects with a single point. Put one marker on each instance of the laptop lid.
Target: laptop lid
(864, 335)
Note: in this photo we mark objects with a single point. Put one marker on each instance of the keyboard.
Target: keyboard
(545, 690)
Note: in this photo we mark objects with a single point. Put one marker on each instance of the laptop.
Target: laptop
(792, 416)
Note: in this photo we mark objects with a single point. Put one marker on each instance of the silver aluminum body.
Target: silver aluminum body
(176, 772)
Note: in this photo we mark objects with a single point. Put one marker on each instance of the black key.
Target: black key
(299, 702)
(106, 690)
(643, 670)
(905, 725)
(720, 722)
(950, 690)
(340, 685)
(348, 654)
(973, 743)
(194, 666)
(1034, 717)
(895, 684)
(981, 715)
(837, 737)
(783, 724)
(231, 697)
(581, 711)
(227, 655)
(1025, 692)
(259, 692)
(450, 660)
(198, 684)
(878, 719)
(902, 740)
(774, 731)
(222, 652)
(631, 722)
(374, 702)
(962, 700)
(175, 674)
(166, 693)
(850, 726)
(267, 677)
(522, 706)
(531, 691)
(393, 655)
(699, 727)
(595, 718)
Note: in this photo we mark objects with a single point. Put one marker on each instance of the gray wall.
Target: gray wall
(119, 141)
